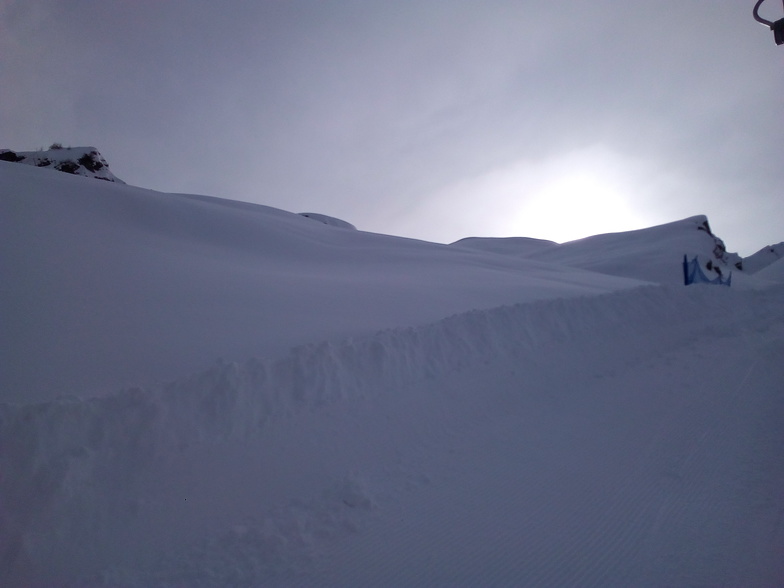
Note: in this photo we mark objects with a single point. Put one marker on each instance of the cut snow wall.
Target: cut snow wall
(68, 467)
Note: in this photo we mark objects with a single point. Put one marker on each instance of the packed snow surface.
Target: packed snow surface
(388, 412)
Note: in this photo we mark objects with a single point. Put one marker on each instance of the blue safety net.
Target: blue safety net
(693, 274)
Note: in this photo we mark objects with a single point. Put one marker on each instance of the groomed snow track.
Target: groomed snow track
(635, 500)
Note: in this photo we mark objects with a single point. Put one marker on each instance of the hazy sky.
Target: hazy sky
(435, 119)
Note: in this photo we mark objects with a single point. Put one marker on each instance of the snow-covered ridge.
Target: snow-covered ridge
(74, 465)
(80, 161)
(328, 220)
(522, 246)
(763, 258)
(646, 254)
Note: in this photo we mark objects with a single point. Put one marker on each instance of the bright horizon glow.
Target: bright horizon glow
(583, 193)
(577, 199)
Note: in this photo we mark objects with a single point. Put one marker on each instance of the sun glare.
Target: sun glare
(571, 196)
(574, 205)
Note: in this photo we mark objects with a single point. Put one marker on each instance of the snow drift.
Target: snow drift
(78, 473)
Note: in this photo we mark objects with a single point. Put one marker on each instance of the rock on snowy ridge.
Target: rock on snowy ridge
(328, 220)
(79, 161)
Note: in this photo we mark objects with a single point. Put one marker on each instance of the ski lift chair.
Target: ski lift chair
(777, 27)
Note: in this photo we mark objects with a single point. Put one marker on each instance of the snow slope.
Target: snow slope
(413, 415)
(763, 258)
(629, 439)
(108, 285)
(773, 271)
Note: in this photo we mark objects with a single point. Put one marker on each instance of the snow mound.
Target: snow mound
(328, 220)
(80, 161)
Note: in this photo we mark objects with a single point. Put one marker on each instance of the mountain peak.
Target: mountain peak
(80, 161)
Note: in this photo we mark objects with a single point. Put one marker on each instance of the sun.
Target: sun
(575, 204)
(561, 197)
